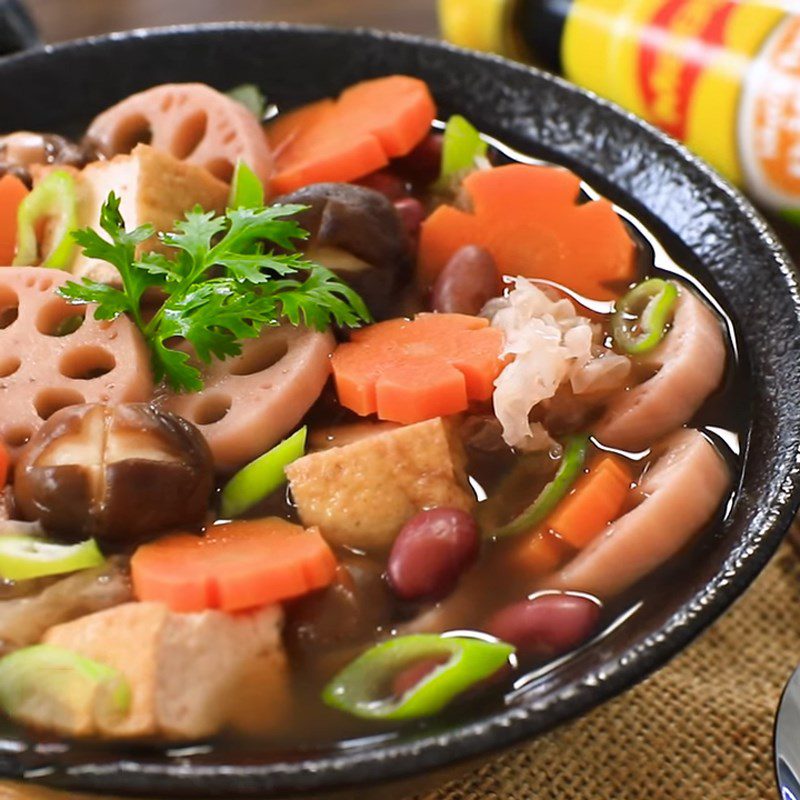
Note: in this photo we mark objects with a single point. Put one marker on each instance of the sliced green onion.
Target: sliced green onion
(529, 469)
(25, 557)
(251, 97)
(50, 687)
(54, 199)
(252, 483)
(640, 320)
(462, 146)
(247, 191)
(361, 688)
(569, 470)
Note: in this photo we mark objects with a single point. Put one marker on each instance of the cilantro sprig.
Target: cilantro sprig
(217, 282)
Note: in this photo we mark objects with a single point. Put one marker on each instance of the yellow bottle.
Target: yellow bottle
(721, 75)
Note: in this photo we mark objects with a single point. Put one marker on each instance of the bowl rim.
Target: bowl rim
(395, 760)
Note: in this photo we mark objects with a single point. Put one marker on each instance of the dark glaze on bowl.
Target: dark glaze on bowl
(705, 226)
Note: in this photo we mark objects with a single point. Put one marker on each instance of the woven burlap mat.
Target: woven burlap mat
(700, 729)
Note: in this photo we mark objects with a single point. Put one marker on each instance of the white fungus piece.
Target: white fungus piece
(551, 345)
(606, 372)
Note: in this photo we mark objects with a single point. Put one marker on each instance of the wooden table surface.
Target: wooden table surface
(69, 19)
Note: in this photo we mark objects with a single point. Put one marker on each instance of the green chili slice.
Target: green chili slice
(529, 469)
(25, 557)
(247, 191)
(569, 470)
(51, 687)
(361, 688)
(253, 482)
(461, 147)
(640, 320)
(54, 200)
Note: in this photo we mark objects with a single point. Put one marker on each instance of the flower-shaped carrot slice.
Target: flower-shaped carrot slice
(411, 370)
(528, 218)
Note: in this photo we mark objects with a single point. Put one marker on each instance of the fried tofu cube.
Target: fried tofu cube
(183, 669)
(361, 494)
(341, 435)
(153, 186)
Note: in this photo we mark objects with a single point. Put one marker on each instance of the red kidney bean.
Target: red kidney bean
(409, 677)
(467, 281)
(411, 215)
(423, 163)
(430, 553)
(548, 625)
(387, 183)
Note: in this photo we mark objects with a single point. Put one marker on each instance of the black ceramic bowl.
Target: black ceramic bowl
(705, 224)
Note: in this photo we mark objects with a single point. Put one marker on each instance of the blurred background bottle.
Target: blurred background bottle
(721, 75)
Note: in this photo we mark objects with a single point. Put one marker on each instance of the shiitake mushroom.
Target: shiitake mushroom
(115, 473)
(357, 233)
(22, 150)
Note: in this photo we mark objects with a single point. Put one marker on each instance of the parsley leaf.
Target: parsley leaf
(328, 296)
(120, 252)
(220, 280)
(110, 302)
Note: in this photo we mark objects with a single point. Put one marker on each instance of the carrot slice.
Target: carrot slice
(338, 157)
(397, 110)
(596, 500)
(527, 218)
(12, 193)
(287, 131)
(233, 567)
(347, 139)
(411, 370)
(310, 145)
(539, 553)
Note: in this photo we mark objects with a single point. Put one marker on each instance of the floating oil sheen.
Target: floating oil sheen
(723, 76)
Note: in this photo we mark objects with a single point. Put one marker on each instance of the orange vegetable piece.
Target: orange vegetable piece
(539, 553)
(597, 499)
(286, 130)
(12, 192)
(311, 146)
(397, 110)
(411, 370)
(347, 139)
(233, 567)
(527, 218)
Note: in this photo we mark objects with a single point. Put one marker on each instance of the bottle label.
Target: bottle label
(769, 119)
(723, 76)
(679, 45)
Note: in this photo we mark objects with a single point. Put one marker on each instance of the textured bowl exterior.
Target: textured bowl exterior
(704, 222)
